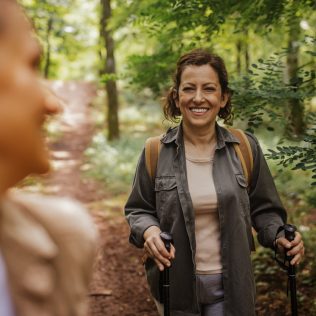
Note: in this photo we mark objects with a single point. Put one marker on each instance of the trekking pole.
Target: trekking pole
(289, 231)
(167, 240)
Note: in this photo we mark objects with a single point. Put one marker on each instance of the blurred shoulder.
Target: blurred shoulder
(59, 214)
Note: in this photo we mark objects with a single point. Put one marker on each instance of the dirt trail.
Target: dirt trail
(118, 287)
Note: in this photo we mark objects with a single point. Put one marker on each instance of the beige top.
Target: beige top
(204, 199)
(48, 245)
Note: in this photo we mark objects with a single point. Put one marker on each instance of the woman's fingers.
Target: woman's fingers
(172, 252)
(297, 258)
(160, 266)
(283, 244)
(156, 249)
(297, 252)
(294, 248)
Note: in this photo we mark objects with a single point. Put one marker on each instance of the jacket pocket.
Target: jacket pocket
(166, 197)
(244, 203)
(165, 183)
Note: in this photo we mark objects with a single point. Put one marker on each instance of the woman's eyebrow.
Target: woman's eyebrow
(210, 82)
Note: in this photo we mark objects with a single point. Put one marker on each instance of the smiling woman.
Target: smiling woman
(200, 195)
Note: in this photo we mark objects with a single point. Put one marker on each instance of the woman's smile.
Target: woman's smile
(199, 110)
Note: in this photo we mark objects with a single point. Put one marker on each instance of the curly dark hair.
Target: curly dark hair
(198, 57)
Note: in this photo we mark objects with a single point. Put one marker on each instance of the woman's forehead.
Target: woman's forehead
(17, 32)
(13, 20)
(201, 73)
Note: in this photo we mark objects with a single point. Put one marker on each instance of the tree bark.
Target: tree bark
(296, 124)
(48, 48)
(246, 51)
(109, 68)
(243, 49)
(239, 48)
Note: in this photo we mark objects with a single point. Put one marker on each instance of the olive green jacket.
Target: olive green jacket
(166, 203)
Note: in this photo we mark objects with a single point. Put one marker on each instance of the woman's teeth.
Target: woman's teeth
(199, 110)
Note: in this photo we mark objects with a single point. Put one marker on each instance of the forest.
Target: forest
(112, 61)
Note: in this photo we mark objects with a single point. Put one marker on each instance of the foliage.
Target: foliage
(114, 163)
(302, 157)
(179, 26)
(263, 94)
(66, 34)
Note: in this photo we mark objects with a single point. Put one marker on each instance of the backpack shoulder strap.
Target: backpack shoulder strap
(152, 150)
(244, 153)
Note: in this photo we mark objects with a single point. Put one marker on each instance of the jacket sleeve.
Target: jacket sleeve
(267, 211)
(140, 209)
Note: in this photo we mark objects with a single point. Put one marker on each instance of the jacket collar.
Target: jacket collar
(175, 134)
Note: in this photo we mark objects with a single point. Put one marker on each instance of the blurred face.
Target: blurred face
(200, 96)
(22, 98)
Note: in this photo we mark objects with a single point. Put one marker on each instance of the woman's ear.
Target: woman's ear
(225, 97)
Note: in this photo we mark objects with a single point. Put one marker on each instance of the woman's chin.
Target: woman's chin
(42, 167)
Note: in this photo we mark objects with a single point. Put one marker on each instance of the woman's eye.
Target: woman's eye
(209, 89)
(188, 89)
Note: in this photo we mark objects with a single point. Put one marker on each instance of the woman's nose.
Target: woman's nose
(198, 98)
(52, 103)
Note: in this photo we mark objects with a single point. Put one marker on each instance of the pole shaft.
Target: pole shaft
(292, 281)
(166, 287)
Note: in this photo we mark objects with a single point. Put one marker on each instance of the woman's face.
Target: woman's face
(22, 98)
(200, 96)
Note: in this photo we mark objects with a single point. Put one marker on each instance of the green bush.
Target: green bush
(114, 163)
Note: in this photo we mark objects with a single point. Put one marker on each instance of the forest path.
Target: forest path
(118, 287)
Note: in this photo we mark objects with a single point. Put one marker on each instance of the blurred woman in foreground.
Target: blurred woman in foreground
(47, 244)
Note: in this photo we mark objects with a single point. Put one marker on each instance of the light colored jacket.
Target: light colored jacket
(167, 203)
(48, 245)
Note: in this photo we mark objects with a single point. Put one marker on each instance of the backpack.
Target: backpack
(243, 151)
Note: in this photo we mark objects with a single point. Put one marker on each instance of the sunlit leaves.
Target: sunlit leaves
(302, 156)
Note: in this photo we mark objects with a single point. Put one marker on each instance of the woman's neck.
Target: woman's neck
(199, 137)
(8, 178)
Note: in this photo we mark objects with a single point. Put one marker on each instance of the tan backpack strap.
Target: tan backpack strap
(152, 149)
(244, 153)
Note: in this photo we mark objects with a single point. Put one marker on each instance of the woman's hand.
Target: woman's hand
(156, 249)
(297, 246)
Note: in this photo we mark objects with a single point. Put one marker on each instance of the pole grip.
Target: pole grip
(289, 231)
(167, 240)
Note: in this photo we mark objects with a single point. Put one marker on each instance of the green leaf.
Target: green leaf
(300, 165)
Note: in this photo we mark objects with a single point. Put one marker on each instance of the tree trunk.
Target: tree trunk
(243, 49)
(295, 124)
(109, 68)
(239, 48)
(246, 51)
(48, 47)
